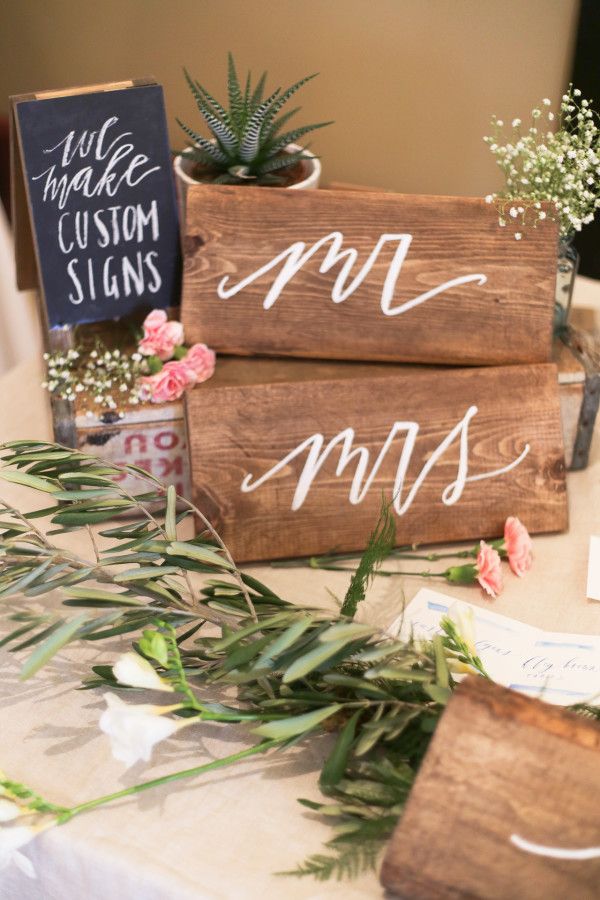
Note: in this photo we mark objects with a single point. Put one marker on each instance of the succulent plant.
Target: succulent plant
(248, 145)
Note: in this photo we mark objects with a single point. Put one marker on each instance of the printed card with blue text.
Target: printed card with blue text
(555, 667)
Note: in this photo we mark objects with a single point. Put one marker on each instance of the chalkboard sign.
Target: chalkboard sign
(101, 199)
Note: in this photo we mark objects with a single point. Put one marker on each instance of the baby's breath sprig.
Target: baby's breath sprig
(106, 378)
(556, 160)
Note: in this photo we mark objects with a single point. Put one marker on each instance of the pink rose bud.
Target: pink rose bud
(518, 546)
(168, 384)
(153, 321)
(160, 336)
(489, 573)
(201, 359)
(486, 570)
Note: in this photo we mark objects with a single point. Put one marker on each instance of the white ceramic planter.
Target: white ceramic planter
(183, 167)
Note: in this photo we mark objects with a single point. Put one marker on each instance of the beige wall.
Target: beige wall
(411, 83)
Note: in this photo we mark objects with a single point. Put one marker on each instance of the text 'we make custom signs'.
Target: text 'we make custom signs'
(292, 458)
(365, 276)
(94, 166)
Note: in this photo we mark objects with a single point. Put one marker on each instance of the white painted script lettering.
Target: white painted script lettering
(362, 478)
(294, 257)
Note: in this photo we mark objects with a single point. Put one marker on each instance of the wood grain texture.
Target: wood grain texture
(232, 232)
(253, 413)
(499, 764)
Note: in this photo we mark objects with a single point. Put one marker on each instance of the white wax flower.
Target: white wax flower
(134, 730)
(134, 670)
(12, 838)
(464, 620)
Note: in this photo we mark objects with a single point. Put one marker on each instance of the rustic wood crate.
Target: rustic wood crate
(150, 436)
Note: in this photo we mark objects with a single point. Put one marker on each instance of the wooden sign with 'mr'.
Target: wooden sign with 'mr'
(365, 276)
(292, 458)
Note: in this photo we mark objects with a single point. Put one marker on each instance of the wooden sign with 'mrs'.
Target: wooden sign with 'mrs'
(365, 276)
(93, 195)
(292, 458)
(502, 771)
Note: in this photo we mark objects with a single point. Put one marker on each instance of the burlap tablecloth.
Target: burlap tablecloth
(226, 834)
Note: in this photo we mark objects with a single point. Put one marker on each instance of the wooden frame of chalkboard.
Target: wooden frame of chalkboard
(94, 205)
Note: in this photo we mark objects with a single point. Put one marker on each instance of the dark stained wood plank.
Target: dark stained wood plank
(253, 415)
(232, 232)
(500, 764)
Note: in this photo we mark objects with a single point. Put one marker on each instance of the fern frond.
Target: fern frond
(347, 861)
(381, 542)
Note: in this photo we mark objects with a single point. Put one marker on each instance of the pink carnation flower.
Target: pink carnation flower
(489, 574)
(201, 359)
(160, 336)
(168, 384)
(518, 546)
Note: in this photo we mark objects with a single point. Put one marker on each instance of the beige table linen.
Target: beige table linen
(222, 835)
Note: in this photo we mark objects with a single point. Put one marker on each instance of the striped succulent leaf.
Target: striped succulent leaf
(276, 163)
(248, 138)
(223, 134)
(250, 143)
(257, 96)
(290, 137)
(286, 95)
(271, 130)
(211, 149)
(236, 100)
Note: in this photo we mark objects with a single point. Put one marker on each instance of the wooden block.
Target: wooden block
(385, 277)
(291, 458)
(500, 764)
